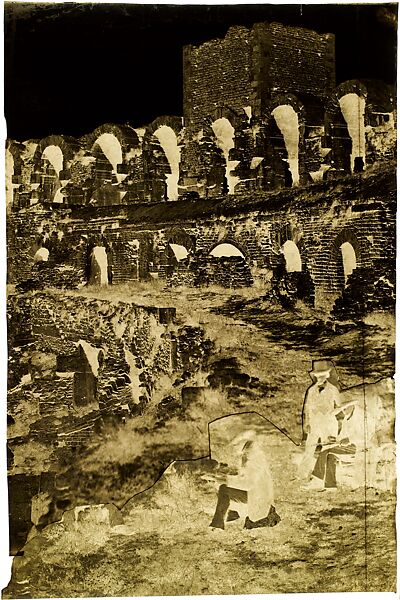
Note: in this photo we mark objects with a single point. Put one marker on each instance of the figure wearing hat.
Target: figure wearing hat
(252, 486)
(320, 423)
(322, 399)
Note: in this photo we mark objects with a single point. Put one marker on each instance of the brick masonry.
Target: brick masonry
(75, 363)
(52, 372)
(317, 218)
(241, 78)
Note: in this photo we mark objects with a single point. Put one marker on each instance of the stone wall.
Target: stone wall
(298, 61)
(246, 79)
(218, 73)
(75, 362)
(318, 219)
(250, 66)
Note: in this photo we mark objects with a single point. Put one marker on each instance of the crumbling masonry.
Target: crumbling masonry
(273, 166)
(266, 134)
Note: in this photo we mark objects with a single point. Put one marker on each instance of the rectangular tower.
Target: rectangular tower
(251, 67)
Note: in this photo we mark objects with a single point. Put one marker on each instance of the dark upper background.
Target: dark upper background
(72, 67)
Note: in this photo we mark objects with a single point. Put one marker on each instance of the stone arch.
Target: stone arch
(125, 144)
(51, 161)
(178, 254)
(283, 126)
(352, 86)
(349, 259)
(229, 240)
(224, 133)
(292, 257)
(344, 262)
(228, 267)
(347, 235)
(228, 113)
(68, 146)
(289, 117)
(288, 100)
(181, 237)
(226, 249)
(169, 143)
(291, 277)
(345, 116)
(174, 123)
(289, 231)
(107, 151)
(126, 135)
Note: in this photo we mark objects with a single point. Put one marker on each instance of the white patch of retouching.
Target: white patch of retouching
(55, 157)
(288, 123)
(353, 111)
(226, 250)
(167, 138)
(225, 133)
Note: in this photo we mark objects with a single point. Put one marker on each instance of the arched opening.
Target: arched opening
(349, 259)
(85, 378)
(55, 157)
(179, 251)
(291, 281)
(176, 262)
(225, 134)
(227, 266)
(353, 111)
(226, 249)
(51, 166)
(288, 123)
(98, 266)
(168, 142)
(108, 152)
(292, 257)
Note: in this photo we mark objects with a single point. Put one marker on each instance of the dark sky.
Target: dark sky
(72, 67)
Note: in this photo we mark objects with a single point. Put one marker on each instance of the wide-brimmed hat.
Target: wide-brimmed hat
(321, 366)
(327, 367)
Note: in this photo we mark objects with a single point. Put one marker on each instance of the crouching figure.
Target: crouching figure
(252, 485)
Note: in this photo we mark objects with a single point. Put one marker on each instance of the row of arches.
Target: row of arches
(282, 146)
(226, 265)
(183, 258)
(108, 156)
(347, 258)
(343, 261)
(180, 246)
(286, 135)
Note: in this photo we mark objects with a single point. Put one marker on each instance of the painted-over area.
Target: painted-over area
(168, 141)
(287, 120)
(353, 110)
(225, 135)
(111, 148)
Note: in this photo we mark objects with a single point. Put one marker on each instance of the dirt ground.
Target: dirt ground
(326, 542)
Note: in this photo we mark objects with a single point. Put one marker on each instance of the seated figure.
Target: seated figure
(251, 486)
